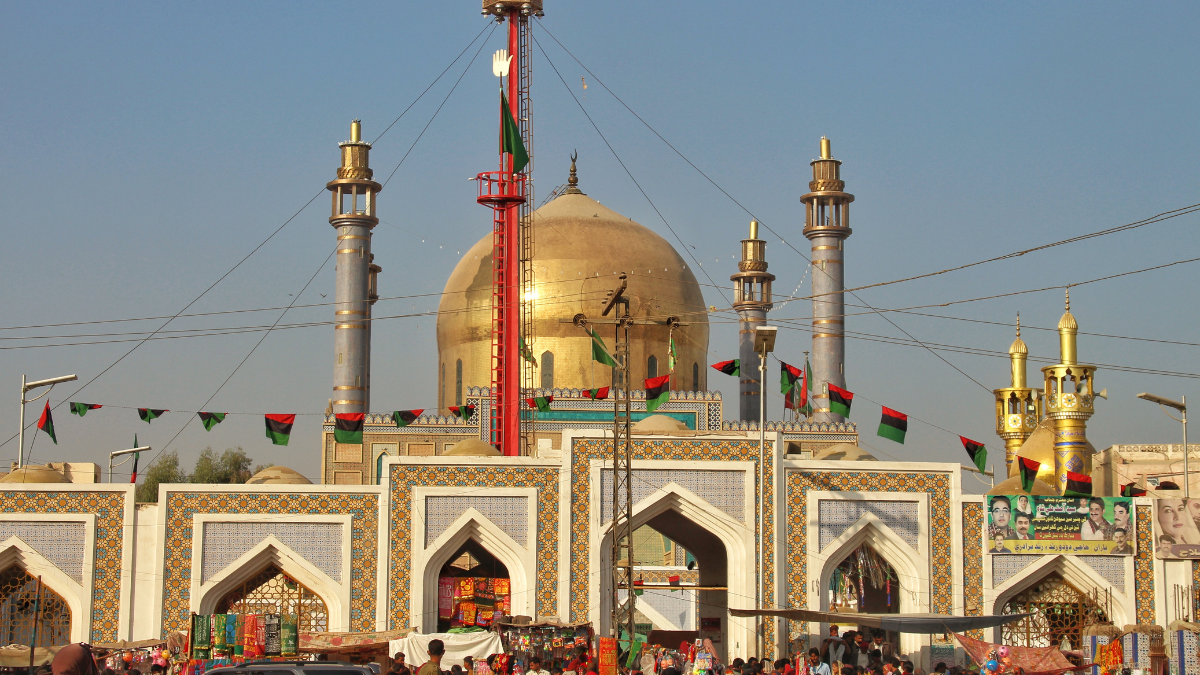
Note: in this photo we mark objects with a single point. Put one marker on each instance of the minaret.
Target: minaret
(1018, 407)
(827, 225)
(353, 217)
(752, 300)
(1070, 399)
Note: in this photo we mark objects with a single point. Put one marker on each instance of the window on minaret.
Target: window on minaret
(547, 370)
(458, 382)
(695, 377)
(651, 367)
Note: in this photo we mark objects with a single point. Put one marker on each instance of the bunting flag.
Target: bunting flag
(788, 376)
(732, 367)
(403, 418)
(658, 392)
(840, 400)
(976, 451)
(600, 352)
(893, 425)
(526, 352)
(637, 584)
(805, 399)
(598, 394)
(210, 420)
(82, 408)
(510, 137)
(148, 414)
(1029, 470)
(46, 422)
(1078, 485)
(279, 428)
(136, 457)
(1132, 490)
(541, 403)
(465, 412)
(348, 428)
(674, 581)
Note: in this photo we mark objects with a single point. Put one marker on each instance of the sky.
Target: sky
(146, 149)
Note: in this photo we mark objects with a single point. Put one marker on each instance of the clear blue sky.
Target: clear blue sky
(145, 149)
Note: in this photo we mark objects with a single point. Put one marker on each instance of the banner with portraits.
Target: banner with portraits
(1061, 525)
(1176, 528)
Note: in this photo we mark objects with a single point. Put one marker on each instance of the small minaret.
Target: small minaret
(827, 225)
(1018, 407)
(1070, 397)
(752, 300)
(353, 217)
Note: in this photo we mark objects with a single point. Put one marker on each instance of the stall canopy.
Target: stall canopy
(340, 643)
(1032, 660)
(899, 623)
(478, 645)
(17, 656)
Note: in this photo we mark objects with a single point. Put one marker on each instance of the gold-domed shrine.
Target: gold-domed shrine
(580, 247)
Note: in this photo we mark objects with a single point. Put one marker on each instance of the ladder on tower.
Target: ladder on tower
(525, 226)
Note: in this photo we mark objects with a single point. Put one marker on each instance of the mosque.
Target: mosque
(815, 522)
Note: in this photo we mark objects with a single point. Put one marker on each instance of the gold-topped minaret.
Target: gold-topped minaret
(752, 301)
(1018, 407)
(1070, 400)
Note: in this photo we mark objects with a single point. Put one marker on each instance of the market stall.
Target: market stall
(549, 641)
(479, 645)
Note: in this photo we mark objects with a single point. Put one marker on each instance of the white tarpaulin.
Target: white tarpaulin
(478, 645)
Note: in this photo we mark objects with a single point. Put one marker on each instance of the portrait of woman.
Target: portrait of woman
(1175, 524)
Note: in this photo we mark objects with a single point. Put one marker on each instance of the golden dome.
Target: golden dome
(472, 447)
(1018, 345)
(34, 473)
(657, 424)
(580, 248)
(278, 475)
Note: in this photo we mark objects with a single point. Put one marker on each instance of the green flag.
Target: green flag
(672, 355)
(526, 352)
(210, 419)
(600, 352)
(510, 137)
(46, 423)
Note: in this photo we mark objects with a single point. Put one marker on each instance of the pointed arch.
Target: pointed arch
(15, 552)
(1074, 572)
(474, 525)
(271, 552)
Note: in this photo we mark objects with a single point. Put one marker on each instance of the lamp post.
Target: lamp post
(1181, 406)
(764, 343)
(117, 453)
(25, 387)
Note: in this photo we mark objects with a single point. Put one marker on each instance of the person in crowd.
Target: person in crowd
(862, 650)
(75, 659)
(456, 670)
(434, 665)
(535, 667)
(1001, 512)
(906, 667)
(1095, 528)
(468, 664)
(398, 666)
(876, 660)
(815, 665)
(579, 662)
(833, 648)
(940, 668)
(885, 648)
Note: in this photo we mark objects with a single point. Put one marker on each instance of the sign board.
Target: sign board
(608, 656)
(1176, 532)
(1061, 525)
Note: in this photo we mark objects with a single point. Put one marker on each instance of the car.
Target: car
(294, 668)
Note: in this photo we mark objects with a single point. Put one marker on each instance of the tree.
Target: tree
(164, 470)
(231, 466)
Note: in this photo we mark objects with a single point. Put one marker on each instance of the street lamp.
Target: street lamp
(25, 387)
(1181, 406)
(764, 343)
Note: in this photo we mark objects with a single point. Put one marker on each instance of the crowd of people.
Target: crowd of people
(850, 653)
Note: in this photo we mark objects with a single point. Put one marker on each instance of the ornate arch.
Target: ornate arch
(18, 554)
(1076, 574)
(26, 605)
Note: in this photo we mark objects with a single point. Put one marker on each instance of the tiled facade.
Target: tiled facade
(60, 543)
(837, 515)
(177, 561)
(972, 530)
(318, 543)
(1143, 567)
(110, 540)
(510, 514)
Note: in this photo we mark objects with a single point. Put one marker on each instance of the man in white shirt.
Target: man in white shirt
(535, 667)
(815, 667)
(1095, 528)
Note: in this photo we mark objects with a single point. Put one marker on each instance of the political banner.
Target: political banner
(1176, 529)
(1061, 525)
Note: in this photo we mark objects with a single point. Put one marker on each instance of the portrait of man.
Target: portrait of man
(1001, 513)
(1120, 543)
(1024, 521)
(1121, 516)
(1095, 527)
(999, 545)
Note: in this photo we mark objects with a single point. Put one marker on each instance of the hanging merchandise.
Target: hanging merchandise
(251, 646)
(231, 633)
(271, 645)
(288, 635)
(239, 633)
(219, 642)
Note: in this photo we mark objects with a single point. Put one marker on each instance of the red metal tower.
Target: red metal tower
(507, 193)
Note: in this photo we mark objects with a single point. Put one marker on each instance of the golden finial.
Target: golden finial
(573, 179)
(1068, 298)
(826, 152)
(1067, 328)
(754, 229)
(1018, 324)
(1018, 346)
(356, 131)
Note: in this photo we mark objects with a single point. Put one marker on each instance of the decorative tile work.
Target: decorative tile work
(936, 485)
(586, 449)
(1111, 568)
(405, 477)
(726, 490)
(1182, 647)
(972, 529)
(1143, 567)
(318, 543)
(662, 575)
(835, 516)
(1196, 588)
(1135, 647)
(109, 509)
(1005, 567)
(60, 543)
(510, 514)
(364, 546)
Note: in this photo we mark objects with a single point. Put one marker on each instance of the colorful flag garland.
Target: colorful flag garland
(279, 428)
(46, 423)
(976, 451)
(465, 412)
(893, 425)
(211, 419)
(82, 408)
(658, 392)
(540, 403)
(147, 414)
(598, 394)
(348, 428)
(731, 367)
(403, 418)
(840, 400)
(1029, 471)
